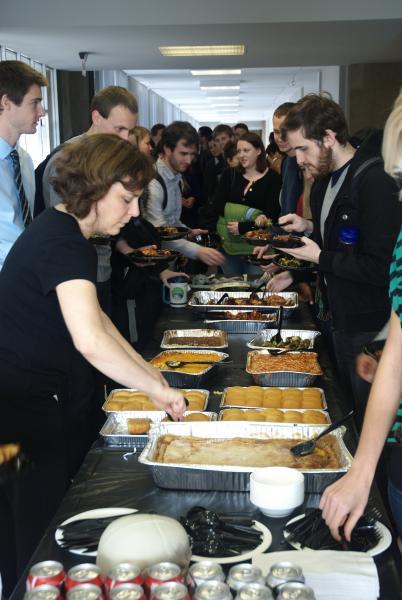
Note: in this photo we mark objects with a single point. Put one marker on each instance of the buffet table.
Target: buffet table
(112, 477)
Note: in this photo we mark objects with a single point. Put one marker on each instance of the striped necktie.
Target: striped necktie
(26, 213)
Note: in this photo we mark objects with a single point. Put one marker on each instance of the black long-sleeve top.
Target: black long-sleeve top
(263, 194)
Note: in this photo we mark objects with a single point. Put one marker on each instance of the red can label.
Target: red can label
(85, 573)
(48, 572)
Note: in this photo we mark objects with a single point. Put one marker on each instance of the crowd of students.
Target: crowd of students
(74, 309)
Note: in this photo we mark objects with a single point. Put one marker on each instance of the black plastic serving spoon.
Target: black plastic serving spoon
(309, 446)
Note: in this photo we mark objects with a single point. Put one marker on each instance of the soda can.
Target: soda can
(213, 590)
(205, 570)
(49, 572)
(84, 573)
(160, 573)
(123, 573)
(170, 590)
(43, 592)
(283, 572)
(127, 591)
(243, 573)
(85, 591)
(294, 590)
(254, 591)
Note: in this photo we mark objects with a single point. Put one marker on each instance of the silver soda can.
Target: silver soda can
(294, 590)
(254, 591)
(43, 592)
(243, 573)
(206, 570)
(171, 590)
(213, 590)
(160, 573)
(127, 591)
(85, 591)
(282, 572)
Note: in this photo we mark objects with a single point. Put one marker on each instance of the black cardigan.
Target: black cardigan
(263, 194)
(356, 282)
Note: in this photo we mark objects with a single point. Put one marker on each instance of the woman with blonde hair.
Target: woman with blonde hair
(141, 138)
(344, 501)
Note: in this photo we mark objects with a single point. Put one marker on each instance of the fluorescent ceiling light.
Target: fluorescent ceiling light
(228, 50)
(217, 72)
(213, 98)
(221, 88)
(225, 104)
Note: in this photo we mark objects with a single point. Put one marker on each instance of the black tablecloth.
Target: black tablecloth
(112, 477)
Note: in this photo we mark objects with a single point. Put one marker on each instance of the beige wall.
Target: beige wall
(370, 92)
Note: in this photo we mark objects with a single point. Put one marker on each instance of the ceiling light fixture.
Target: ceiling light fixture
(228, 50)
(213, 98)
(217, 72)
(220, 88)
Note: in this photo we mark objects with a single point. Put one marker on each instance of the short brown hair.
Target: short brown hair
(111, 96)
(314, 114)
(283, 109)
(16, 78)
(255, 140)
(86, 170)
(222, 128)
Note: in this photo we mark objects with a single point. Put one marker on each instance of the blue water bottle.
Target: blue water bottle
(348, 238)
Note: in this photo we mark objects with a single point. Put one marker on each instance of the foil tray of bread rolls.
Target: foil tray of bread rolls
(132, 400)
(234, 478)
(276, 415)
(132, 429)
(255, 396)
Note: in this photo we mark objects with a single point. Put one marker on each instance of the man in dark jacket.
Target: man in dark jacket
(356, 218)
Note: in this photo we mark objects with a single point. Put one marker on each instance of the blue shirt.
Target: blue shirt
(11, 223)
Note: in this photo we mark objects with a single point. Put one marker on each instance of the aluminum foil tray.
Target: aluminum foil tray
(242, 326)
(298, 410)
(114, 431)
(279, 378)
(265, 336)
(199, 301)
(220, 338)
(230, 478)
(223, 405)
(177, 378)
(128, 413)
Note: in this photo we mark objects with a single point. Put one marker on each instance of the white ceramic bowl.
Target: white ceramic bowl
(276, 491)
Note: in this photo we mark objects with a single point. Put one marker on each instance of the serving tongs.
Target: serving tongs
(307, 447)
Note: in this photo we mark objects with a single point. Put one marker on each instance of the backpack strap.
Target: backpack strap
(162, 183)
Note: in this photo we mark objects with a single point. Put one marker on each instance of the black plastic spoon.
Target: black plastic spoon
(309, 446)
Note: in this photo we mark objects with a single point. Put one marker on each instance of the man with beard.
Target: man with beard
(356, 218)
(179, 145)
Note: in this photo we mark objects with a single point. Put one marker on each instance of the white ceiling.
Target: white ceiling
(284, 42)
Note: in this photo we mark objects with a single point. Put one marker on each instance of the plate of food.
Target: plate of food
(168, 232)
(286, 240)
(258, 237)
(293, 264)
(151, 255)
(372, 538)
(252, 259)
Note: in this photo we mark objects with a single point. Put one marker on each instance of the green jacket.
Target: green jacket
(232, 244)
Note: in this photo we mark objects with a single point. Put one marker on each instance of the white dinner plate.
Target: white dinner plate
(96, 513)
(262, 547)
(383, 544)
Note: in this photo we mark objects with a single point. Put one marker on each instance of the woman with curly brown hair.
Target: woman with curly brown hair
(49, 311)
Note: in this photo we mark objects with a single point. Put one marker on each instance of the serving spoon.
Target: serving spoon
(175, 364)
(307, 447)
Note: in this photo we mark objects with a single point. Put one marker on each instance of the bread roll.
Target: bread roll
(291, 402)
(254, 415)
(314, 416)
(292, 416)
(273, 415)
(138, 426)
(197, 416)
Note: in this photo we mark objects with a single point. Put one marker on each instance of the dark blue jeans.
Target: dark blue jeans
(395, 501)
(347, 346)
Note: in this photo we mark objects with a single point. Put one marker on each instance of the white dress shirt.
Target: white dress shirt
(11, 222)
